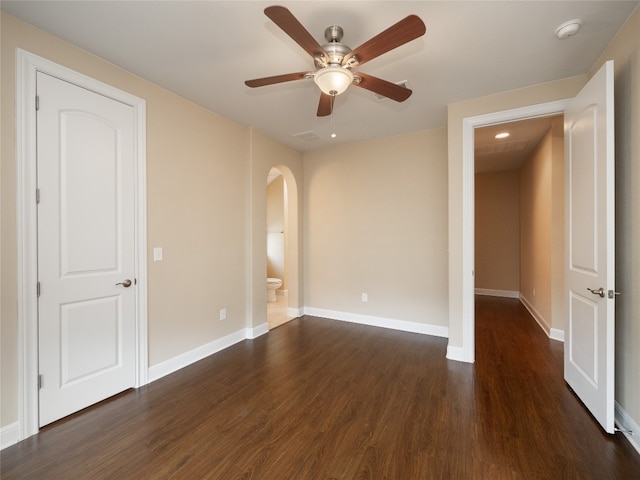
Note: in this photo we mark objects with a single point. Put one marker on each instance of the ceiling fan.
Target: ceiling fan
(334, 61)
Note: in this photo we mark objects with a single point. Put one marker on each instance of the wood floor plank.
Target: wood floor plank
(321, 399)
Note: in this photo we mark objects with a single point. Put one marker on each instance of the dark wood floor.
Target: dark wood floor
(321, 399)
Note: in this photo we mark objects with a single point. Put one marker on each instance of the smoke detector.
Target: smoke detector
(568, 29)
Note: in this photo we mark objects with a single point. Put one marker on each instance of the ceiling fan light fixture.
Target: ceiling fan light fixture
(333, 80)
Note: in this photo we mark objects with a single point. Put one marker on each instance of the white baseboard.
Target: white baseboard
(629, 427)
(536, 315)
(552, 333)
(185, 359)
(457, 354)
(413, 327)
(497, 293)
(255, 332)
(295, 312)
(9, 435)
(556, 334)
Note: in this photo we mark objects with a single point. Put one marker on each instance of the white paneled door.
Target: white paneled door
(86, 247)
(590, 274)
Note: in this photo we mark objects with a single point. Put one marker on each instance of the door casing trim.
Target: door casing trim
(27, 65)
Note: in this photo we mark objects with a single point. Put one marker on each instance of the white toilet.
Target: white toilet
(272, 285)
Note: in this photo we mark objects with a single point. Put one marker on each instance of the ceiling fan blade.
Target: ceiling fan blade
(382, 87)
(287, 77)
(325, 106)
(404, 31)
(282, 17)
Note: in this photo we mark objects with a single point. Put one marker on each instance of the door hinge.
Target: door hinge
(38, 289)
(37, 195)
(40, 381)
(37, 102)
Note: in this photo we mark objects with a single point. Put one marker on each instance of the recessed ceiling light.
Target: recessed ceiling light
(502, 135)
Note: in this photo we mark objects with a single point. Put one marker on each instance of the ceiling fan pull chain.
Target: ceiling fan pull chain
(333, 133)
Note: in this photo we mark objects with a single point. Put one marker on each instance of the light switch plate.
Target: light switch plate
(157, 254)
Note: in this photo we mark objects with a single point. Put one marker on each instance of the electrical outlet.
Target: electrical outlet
(223, 314)
(365, 297)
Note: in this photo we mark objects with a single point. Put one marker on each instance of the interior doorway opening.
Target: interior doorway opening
(469, 125)
(519, 216)
(278, 251)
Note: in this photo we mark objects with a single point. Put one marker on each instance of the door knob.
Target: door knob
(125, 283)
(599, 291)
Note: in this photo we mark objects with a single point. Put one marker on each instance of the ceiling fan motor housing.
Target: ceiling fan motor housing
(335, 50)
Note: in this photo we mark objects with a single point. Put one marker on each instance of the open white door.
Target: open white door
(590, 275)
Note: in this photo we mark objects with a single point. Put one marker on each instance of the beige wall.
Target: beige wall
(457, 112)
(275, 230)
(558, 313)
(497, 231)
(201, 202)
(275, 205)
(624, 50)
(376, 223)
(535, 230)
(196, 166)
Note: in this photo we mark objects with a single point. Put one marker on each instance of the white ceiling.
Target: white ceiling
(204, 50)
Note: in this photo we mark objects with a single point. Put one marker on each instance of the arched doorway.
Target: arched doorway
(278, 248)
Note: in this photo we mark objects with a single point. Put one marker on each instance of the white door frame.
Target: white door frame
(468, 204)
(27, 65)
